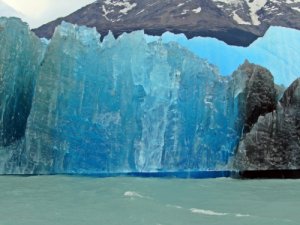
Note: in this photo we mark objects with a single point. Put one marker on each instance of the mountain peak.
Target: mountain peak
(236, 22)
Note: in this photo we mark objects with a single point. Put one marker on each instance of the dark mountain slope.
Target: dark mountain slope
(236, 22)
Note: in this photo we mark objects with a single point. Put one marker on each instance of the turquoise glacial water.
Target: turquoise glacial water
(61, 200)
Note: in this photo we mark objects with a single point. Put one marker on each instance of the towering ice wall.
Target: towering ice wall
(122, 105)
(20, 55)
(126, 105)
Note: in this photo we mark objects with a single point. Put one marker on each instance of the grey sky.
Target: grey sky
(38, 12)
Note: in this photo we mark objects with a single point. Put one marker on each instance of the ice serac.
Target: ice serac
(125, 105)
(273, 142)
(85, 112)
(20, 57)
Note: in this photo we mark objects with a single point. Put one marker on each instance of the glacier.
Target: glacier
(17, 78)
(118, 105)
(125, 105)
(277, 51)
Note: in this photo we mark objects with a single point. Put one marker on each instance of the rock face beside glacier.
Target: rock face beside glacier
(273, 142)
(255, 90)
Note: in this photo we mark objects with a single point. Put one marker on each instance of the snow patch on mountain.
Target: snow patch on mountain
(106, 12)
(239, 20)
(143, 10)
(228, 2)
(197, 10)
(252, 8)
(255, 6)
(292, 1)
(185, 11)
(296, 8)
(125, 5)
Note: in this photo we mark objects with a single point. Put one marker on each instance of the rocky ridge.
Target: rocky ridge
(236, 22)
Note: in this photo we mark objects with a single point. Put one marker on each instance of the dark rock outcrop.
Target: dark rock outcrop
(274, 141)
(253, 87)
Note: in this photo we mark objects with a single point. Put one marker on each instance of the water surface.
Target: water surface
(62, 200)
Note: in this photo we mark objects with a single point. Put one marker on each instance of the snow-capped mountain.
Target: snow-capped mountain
(257, 12)
(237, 22)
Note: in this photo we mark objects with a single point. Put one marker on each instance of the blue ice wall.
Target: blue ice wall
(278, 51)
(117, 106)
(127, 106)
(20, 55)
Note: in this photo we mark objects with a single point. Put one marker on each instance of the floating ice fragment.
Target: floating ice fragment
(133, 194)
(207, 212)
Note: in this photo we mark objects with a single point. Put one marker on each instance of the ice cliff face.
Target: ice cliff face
(20, 56)
(125, 105)
(79, 105)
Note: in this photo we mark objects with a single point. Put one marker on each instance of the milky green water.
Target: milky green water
(59, 200)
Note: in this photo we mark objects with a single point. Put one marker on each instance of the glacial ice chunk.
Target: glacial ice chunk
(126, 105)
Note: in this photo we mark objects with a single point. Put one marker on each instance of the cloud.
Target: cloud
(6, 10)
(39, 12)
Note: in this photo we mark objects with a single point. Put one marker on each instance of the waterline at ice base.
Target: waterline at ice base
(78, 105)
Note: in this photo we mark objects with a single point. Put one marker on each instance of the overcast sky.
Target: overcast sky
(38, 12)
